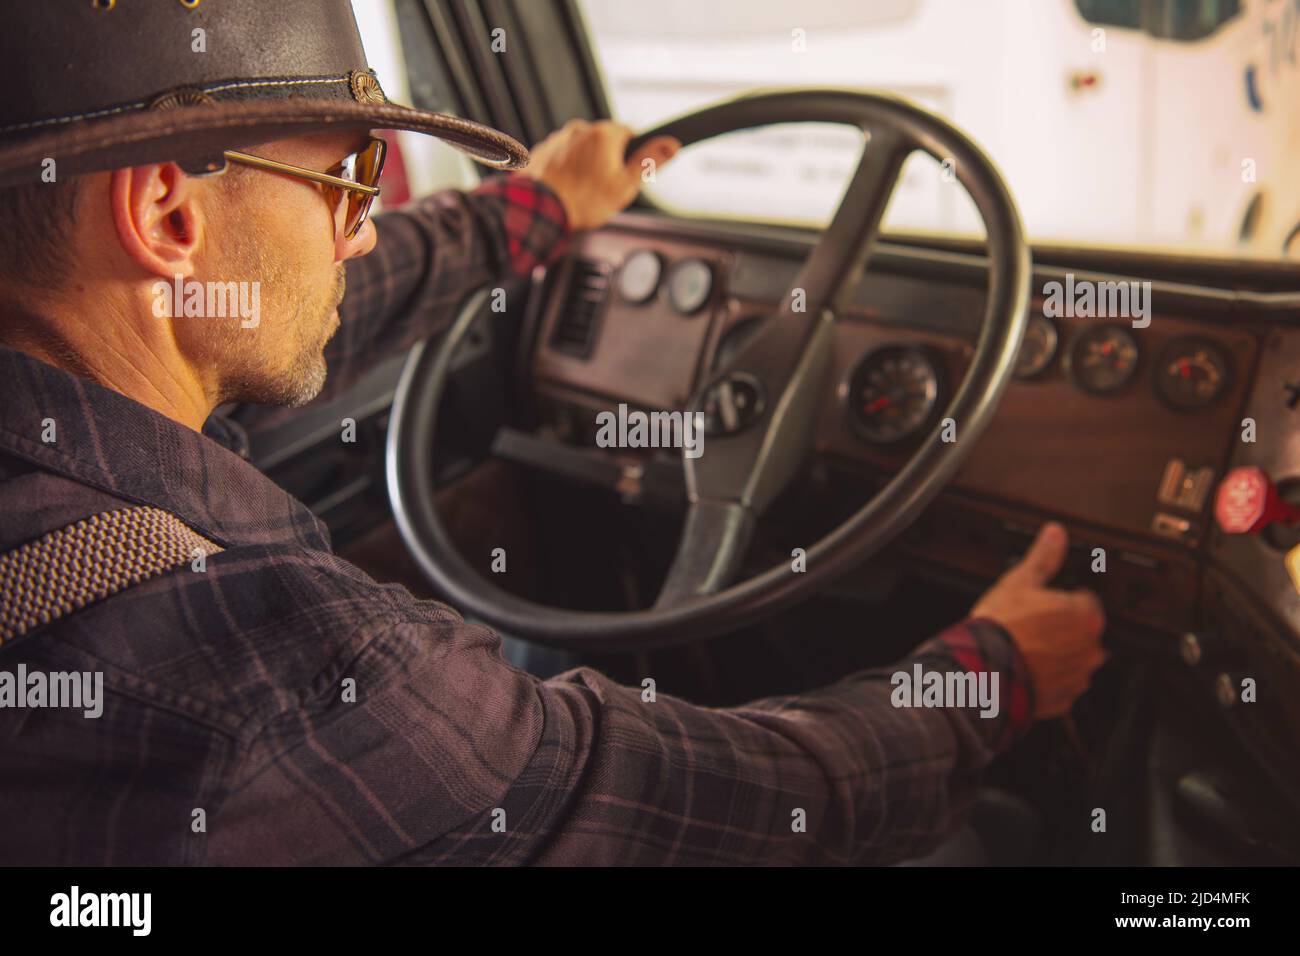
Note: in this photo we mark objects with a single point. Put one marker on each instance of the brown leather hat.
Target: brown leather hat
(104, 84)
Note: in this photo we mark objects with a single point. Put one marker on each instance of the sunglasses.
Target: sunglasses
(356, 178)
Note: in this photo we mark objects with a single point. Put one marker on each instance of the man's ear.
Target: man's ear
(157, 219)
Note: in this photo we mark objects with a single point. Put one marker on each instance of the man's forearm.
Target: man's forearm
(469, 760)
(841, 775)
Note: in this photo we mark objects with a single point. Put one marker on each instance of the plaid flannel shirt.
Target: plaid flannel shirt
(227, 737)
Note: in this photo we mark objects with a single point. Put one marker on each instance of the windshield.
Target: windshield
(1169, 125)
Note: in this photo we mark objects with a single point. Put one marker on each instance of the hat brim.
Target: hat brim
(197, 133)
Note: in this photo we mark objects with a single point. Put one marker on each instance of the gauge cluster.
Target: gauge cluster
(1187, 373)
(893, 393)
(1089, 394)
(686, 284)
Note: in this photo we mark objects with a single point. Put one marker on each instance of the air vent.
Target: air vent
(575, 329)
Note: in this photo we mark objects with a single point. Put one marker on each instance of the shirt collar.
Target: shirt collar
(91, 434)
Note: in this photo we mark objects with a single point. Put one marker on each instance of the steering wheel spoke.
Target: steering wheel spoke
(714, 539)
(788, 359)
(834, 266)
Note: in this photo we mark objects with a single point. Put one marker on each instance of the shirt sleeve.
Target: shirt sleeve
(457, 757)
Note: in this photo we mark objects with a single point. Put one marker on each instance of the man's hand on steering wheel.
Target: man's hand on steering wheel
(583, 164)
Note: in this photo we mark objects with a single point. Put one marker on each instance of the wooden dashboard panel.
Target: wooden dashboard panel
(1055, 448)
(1052, 448)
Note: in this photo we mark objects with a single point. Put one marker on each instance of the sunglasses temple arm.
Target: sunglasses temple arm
(325, 178)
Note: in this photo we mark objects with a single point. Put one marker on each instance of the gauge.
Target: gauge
(689, 285)
(1191, 373)
(892, 394)
(1038, 349)
(1102, 358)
(639, 277)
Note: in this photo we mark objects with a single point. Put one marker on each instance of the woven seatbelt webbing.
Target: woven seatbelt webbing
(83, 562)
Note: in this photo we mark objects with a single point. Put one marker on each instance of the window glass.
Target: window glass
(418, 164)
(1179, 133)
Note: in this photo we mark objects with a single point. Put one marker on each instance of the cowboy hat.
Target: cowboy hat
(106, 84)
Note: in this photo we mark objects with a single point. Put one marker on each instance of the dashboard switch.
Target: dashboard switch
(1191, 647)
(1227, 688)
(1247, 502)
(1172, 526)
(1183, 487)
(1206, 648)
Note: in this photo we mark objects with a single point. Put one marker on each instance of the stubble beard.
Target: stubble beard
(305, 376)
(308, 377)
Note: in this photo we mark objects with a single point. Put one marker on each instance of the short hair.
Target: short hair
(35, 232)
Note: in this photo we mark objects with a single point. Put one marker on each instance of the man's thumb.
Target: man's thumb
(1045, 556)
(659, 150)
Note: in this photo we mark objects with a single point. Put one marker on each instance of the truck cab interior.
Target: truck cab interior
(924, 301)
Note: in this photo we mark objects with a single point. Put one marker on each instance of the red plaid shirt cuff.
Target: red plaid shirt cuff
(981, 644)
(533, 218)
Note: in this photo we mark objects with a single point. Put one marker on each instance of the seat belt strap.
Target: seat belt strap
(83, 562)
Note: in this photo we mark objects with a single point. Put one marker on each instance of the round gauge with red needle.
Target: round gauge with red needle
(1191, 373)
(1102, 358)
(892, 394)
(1038, 349)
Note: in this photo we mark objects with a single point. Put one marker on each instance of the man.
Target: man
(266, 702)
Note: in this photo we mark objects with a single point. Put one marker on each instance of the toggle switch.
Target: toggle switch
(1227, 689)
(1205, 648)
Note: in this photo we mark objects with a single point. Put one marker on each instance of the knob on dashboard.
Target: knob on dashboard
(1227, 689)
(1199, 647)
(1247, 502)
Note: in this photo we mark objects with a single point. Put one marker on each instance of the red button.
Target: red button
(1247, 502)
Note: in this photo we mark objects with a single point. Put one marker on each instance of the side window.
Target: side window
(402, 54)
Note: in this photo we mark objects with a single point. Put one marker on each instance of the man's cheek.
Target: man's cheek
(250, 304)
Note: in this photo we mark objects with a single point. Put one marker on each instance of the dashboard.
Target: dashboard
(1121, 428)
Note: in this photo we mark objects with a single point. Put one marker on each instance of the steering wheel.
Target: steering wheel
(740, 473)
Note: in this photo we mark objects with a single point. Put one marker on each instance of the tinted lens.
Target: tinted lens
(367, 166)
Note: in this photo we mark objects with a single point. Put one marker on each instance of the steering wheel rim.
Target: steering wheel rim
(706, 604)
